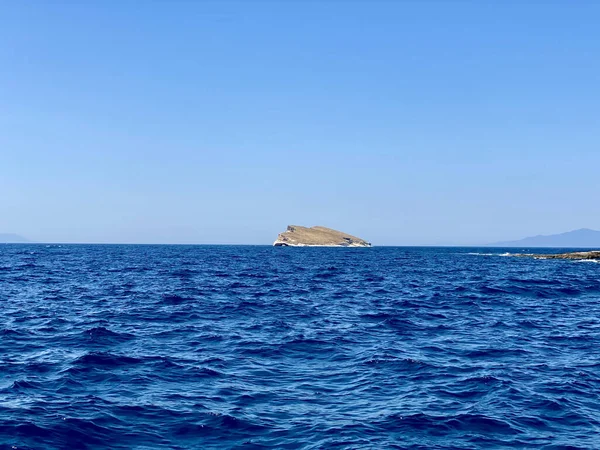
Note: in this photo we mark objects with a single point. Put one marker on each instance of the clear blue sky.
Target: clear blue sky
(402, 122)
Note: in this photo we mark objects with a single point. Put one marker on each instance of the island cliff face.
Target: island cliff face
(297, 236)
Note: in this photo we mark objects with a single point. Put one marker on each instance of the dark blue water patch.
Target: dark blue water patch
(104, 336)
(260, 347)
(174, 299)
(104, 360)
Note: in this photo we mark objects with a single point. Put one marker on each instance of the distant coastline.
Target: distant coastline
(582, 238)
(12, 238)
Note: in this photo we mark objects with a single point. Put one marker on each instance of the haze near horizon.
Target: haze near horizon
(401, 123)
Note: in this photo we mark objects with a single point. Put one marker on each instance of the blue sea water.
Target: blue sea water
(259, 347)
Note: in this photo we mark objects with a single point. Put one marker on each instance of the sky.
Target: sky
(405, 123)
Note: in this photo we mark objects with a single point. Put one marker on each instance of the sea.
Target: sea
(256, 347)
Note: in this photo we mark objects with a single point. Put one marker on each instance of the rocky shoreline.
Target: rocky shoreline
(595, 254)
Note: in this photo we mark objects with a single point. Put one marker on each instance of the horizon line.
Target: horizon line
(489, 246)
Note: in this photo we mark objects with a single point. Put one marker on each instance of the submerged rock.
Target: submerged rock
(297, 236)
(595, 254)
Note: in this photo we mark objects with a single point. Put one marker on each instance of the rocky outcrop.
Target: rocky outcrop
(297, 236)
(574, 255)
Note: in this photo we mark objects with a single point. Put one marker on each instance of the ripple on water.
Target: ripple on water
(255, 347)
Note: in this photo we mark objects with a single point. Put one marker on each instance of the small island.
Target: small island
(297, 236)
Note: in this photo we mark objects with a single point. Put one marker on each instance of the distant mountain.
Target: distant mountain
(10, 238)
(584, 238)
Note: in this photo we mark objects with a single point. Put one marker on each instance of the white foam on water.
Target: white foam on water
(489, 254)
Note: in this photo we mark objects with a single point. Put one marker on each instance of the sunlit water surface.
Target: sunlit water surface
(260, 347)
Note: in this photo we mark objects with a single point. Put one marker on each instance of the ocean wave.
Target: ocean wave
(104, 335)
(174, 299)
(105, 359)
(241, 347)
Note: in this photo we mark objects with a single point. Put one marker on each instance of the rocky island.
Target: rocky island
(297, 236)
(595, 254)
